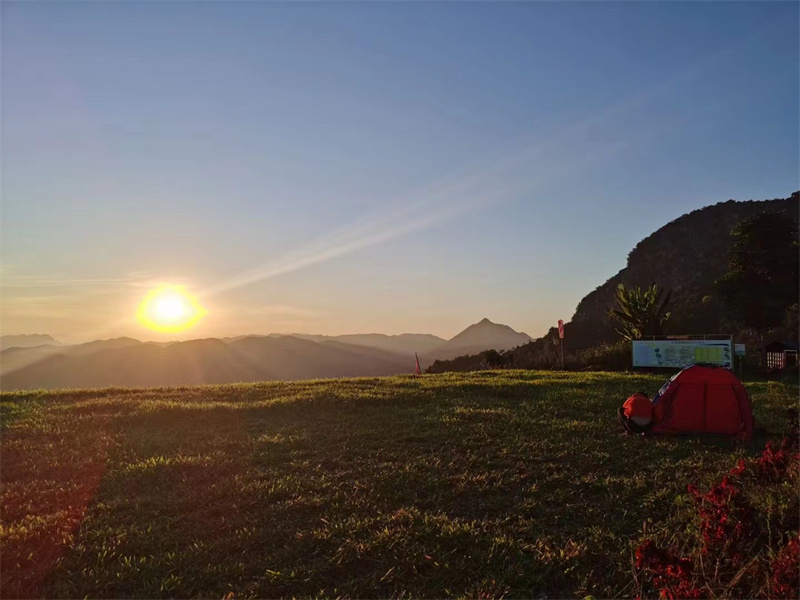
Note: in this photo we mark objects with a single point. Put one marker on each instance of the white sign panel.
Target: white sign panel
(739, 349)
(680, 353)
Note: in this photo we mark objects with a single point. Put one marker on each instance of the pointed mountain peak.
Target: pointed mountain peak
(493, 334)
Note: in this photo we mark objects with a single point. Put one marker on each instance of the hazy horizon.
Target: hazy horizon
(370, 167)
(162, 338)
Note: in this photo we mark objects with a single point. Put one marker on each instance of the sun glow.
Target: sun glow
(170, 309)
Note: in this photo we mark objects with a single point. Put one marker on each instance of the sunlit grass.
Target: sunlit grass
(497, 483)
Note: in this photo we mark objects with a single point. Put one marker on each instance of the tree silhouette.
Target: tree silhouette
(762, 281)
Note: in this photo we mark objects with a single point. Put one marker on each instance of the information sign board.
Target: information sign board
(680, 353)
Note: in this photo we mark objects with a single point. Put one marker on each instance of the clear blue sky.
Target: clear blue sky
(358, 167)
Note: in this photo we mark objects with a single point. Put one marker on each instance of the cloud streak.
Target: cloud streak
(12, 279)
(568, 152)
(474, 189)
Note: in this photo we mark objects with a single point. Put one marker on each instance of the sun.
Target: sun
(169, 309)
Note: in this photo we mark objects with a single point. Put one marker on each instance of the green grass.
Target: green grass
(482, 484)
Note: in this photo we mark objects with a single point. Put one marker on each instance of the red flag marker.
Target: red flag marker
(561, 329)
(419, 371)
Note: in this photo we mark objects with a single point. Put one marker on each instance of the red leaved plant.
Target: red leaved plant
(732, 541)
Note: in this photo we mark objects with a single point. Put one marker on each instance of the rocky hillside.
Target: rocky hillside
(686, 256)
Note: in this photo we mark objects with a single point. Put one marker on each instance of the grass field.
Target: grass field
(483, 484)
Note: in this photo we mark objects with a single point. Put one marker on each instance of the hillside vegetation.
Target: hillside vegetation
(485, 484)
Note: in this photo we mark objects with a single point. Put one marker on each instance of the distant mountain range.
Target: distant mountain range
(129, 362)
(25, 341)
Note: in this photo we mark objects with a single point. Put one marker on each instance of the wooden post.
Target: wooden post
(562, 353)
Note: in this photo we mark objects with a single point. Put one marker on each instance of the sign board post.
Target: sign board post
(739, 350)
(561, 337)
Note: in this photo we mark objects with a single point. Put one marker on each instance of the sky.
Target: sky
(354, 167)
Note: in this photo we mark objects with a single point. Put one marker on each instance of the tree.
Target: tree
(640, 312)
(762, 281)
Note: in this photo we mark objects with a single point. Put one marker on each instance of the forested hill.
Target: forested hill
(685, 256)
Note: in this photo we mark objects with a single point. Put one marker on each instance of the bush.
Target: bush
(606, 357)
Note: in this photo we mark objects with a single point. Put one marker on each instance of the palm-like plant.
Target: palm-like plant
(640, 312)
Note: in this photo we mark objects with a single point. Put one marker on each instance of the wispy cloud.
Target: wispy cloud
(13, 278)
(566, 154)
(599, 137)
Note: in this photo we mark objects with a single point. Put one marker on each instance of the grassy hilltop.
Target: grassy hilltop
(476, 484)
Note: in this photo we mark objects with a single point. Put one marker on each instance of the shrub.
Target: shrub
(606, 357)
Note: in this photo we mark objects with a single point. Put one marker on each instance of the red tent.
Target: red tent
(703, 399)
